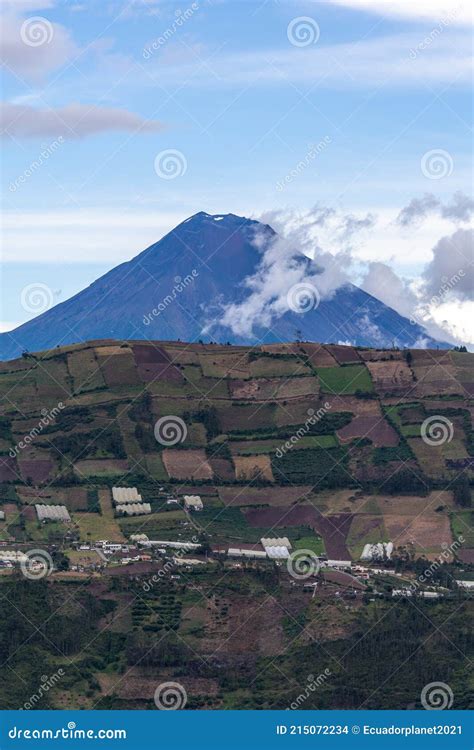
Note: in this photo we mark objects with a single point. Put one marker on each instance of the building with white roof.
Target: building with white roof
(192, 502)
(279, 541)
(277, 552)
(122, 495)
(52, 513)
(380, 551)
(134, 509)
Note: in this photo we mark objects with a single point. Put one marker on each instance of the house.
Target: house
(192, 502)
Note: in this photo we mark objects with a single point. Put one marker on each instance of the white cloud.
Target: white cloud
(396, 60)
(71, 121)
(421, 10)
(37, 60)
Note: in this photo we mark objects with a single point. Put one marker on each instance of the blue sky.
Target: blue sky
(267, 106)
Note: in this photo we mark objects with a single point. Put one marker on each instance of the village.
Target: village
(372, 575)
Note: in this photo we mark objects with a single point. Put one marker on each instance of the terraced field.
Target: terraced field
(314, 433)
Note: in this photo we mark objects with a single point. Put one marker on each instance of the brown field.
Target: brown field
(268, 367)
(246, 417)
(344, 355)
(232, 365)
(222, 469)
(360, 407)
(296, 412)
(85, 370)
(390, 376)
(429, 457)
(8, 469)
(74, 498)
(318, 355)
(38, 470)
(413, 504)
(376, 355)
(272, 496)
(253, 467)
(377, 429)
(273, 389)
(427, 532)
(187, 464)
(430, 357)
(436, 379)
(117, 366)
(153, 363)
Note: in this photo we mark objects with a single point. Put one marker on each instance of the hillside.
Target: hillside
(278, 436)
(320, 444)
(178, 287)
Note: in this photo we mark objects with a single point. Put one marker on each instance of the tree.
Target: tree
(462, 492)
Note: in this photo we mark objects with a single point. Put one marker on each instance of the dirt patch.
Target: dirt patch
(253, 467)
(8, 469)
(271, 496)
(391, 376)
(38, 470)
(153, 363)
(187, 464)
(273, 389)
(344, 355)
(427, 532)
(222, 469)
(377, 429)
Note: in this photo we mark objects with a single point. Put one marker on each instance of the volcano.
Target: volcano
(180, 287)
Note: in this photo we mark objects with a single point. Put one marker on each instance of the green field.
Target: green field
(462, 524)
(345, 380)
